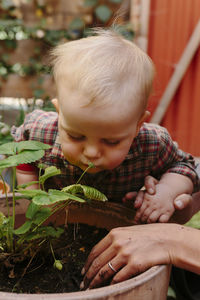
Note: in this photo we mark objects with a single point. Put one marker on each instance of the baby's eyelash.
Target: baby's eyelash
(112, 143)
(76, 138)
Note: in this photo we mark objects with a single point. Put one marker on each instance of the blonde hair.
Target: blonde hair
(106, 68)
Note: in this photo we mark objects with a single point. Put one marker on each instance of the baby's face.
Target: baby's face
(100, 135)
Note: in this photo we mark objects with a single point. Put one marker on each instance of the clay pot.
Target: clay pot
(150, 285)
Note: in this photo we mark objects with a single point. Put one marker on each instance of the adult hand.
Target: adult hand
(130, 250)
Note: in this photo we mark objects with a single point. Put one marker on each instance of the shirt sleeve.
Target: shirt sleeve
(174, 160)
(33, 128)
(25, 131)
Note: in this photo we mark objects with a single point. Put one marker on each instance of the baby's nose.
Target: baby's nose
(91, 151)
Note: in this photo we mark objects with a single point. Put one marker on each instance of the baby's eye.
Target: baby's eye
(111, 142)
(76, 137)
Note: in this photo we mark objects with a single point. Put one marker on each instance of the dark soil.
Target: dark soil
(41, 277)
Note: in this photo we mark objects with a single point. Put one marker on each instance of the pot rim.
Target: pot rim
(110, 290)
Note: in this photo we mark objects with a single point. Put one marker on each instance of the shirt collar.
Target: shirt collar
(56, 150)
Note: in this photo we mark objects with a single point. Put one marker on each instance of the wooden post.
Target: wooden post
(176, 78)
(139, 17)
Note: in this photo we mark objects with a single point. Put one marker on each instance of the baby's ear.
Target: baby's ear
(55, 103)
(143, 118)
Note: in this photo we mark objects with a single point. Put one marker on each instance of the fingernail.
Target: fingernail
(82, 285)
(83, 271)
(179, 203)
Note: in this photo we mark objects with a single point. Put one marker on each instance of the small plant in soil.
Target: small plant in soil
(35, 234)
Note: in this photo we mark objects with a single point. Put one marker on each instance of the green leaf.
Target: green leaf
(24, 228)
(31, 210)
(76, 24)
(115, 1)
(171, 293)
(42, 215)
(103, 13)
(90, 3)
(41, 199)
(49, 172)
(31, 145)
(54, 196)
(89, 192)
(8, 148)
(194, 221)
(46, 231)
(60, 196)
(26, 157)
(17, 147)
(31, 193)
(25, 185)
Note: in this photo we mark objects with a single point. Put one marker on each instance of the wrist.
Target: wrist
(184, 247)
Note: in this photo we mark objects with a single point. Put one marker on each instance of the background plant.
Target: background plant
(14, 29)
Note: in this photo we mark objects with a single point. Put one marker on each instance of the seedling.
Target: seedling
(33, 233)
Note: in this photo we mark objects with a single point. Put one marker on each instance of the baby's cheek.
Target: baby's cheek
(69, 151)
(114, 160)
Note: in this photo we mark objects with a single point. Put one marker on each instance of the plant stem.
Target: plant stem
(90, 165)
(52, 251)
(14, 200)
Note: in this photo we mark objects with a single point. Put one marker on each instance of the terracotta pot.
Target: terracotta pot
(150, 285)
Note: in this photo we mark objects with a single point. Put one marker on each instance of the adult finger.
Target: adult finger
(96, 251)
(107, 272)
(98, 270)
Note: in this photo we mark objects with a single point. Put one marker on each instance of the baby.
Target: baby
(103, 85)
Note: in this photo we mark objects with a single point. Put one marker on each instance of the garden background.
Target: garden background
(163, 28)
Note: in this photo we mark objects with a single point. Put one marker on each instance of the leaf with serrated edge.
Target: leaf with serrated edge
(49, 172)
(26, 157)
(17, 147)
(8, 148)
(31, 193)
(54, 196)
(87, 191)
(31, 145)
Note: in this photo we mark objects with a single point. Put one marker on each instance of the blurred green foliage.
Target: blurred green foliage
(14, 29)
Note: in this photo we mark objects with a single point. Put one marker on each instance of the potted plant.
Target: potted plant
(26, 230)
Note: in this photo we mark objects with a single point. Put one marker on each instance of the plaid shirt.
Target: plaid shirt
(152, 153)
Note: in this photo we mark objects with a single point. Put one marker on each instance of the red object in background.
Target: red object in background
(171, 26)
(26, 167)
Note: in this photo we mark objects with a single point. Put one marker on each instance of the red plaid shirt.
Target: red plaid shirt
(152, 153)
